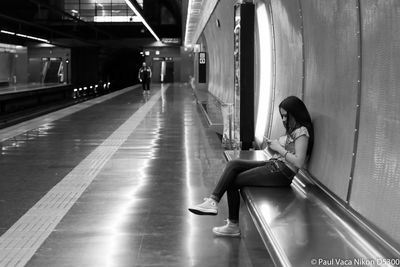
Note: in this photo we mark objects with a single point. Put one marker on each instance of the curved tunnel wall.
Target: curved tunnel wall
(376, 186)
(331, 49)
(342, 58)
(220, 53)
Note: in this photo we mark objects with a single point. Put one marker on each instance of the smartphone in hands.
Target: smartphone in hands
(266, 142)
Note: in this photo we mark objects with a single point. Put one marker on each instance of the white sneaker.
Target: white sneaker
(229, 229)
(208, 207)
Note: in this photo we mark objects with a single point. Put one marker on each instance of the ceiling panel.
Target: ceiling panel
(93, 22)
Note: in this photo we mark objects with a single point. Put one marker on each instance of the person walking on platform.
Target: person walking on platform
(291, 151)
(145, 77)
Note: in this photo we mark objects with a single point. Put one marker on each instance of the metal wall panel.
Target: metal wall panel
(220, 51)
(288, 56)
(331, 46)
(5, 67)
(375, 192)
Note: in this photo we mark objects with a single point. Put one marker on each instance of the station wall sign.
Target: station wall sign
(158, 58)
(163, 58)
(202, 67)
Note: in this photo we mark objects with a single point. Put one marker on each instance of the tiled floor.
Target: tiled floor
(109, 185)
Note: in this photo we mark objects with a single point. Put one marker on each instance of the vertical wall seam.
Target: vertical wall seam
(358, 104)
(303, 77)
(271, 115)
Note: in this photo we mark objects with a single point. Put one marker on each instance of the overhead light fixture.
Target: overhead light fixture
(129, 3)
(7, 32)
(194, 10)
(188, 17)
(116, 19)
(265, 67)
(10, 48)
(26, 36)
(45, 45)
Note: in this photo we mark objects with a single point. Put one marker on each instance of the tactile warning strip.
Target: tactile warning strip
(24, 238)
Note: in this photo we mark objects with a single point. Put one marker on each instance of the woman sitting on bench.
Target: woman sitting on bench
(291, 153)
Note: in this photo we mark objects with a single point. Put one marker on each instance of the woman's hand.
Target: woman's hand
(275, 145)
(265, 143)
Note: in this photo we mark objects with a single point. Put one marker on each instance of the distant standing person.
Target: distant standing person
(145, 77)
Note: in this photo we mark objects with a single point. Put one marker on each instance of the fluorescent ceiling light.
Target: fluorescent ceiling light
(7, 32)
(128, 2)
(10, 48)
(26, 36)
(186, 42)
(45, 45)
(196, 9)
(32, 37)
(116, 19)
(265, 80)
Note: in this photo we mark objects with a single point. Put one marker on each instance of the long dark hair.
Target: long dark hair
(297, 109)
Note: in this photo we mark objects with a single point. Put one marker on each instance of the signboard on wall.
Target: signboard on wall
(171, 40)
(202, 67)
(163, 58)
(158, 58)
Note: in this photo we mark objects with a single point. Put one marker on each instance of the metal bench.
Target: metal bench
(4, 83)
(301, 225)
(210, 107)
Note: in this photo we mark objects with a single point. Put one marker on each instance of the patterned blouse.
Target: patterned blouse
(288, 141)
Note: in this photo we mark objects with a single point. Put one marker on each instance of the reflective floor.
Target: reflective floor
(109, 185)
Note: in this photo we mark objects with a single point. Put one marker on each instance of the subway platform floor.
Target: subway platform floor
(107, 183)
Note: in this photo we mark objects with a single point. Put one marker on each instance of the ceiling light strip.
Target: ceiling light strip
(198, 14)
(129, 3)
(187, 42)
(25, 36)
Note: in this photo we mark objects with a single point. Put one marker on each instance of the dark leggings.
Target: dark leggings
(146, 84)
(239, 173)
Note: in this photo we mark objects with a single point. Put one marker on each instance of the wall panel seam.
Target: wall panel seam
(358, 104)
(303, 77)
(271, 114)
